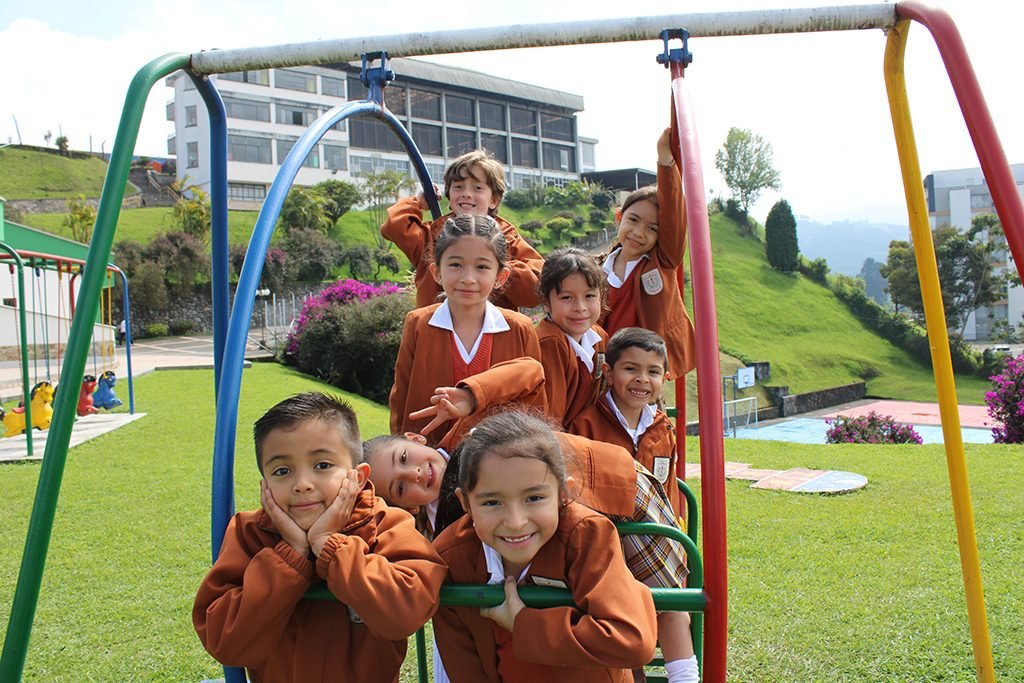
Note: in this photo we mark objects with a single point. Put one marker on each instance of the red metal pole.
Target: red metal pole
(979, 121)
(712, 447)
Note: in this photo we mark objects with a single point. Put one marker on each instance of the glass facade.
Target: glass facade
(294, 80)
(247, 109)
(250, 149)
(249, 192)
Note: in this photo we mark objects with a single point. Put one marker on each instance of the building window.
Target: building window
(336, 157)
(247, 192)
(356, 89)
(588, 154)
(523, 121)
(394, 97)
(459, 110)
(250, 149)
(522, 181)
(247, 109)
(335, 87)
(492, 116)
(191, 118)
(495, 144)
(425, 104)
(295, 114)
(557, 127)
(172, 146)
(256, 77)
(524, 153)
(192, 154)
(294, 80)
(373, 134)
(362, 165)
(557, 158)
(170, 111)
(460, 141)
(427, 139)
(312, 159)
(436, 172)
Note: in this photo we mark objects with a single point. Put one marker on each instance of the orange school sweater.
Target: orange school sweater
(612, 629)
(599, 422)
(568, 385)
(415, 237)
(424, 363)
(250, 610)
(657, 298)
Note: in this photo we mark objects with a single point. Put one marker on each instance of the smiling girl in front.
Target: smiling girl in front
(521, 527)
(443, 344)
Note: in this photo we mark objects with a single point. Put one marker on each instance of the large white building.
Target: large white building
(448, 111)
(954, 198)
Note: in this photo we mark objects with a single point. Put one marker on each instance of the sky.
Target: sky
(818, 99)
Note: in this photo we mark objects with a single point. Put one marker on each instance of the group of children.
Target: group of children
(515, 448)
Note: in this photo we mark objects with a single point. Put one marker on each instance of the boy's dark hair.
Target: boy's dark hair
(512, 434)
(566, 261)
(306, 407)
(471, 225)
(635, 337)
(492, 170)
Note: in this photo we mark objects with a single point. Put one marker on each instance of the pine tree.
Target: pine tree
(780, 238)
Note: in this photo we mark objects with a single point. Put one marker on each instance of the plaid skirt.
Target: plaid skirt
(655, 561)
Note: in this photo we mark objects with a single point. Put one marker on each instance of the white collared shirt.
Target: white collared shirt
(432, 505)
(495, 568)
(645, 421)
(494, 321)
(609, 268)
(584, 348)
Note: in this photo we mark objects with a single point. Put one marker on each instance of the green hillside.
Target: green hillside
(27, 173)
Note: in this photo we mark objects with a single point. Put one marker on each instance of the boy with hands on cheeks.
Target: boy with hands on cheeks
(320, 520)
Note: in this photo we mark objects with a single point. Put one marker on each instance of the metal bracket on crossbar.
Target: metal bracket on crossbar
(375, 79)
(682, 55)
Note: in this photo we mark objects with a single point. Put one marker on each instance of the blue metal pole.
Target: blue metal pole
(127, 310)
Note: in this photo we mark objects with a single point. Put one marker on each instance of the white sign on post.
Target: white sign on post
(745, 378)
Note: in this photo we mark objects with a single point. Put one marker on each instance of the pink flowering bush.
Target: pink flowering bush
(1006, 402)
(870, 428)
(353, 347)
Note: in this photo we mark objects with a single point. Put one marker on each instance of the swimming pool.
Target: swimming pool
(812, 430)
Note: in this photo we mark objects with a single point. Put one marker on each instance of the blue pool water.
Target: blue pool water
(812, 430)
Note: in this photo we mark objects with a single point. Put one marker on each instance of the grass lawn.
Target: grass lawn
(35, 174)
(848, 588)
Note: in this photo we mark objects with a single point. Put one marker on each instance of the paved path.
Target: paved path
(797, 479)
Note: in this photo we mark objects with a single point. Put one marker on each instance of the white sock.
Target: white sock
(682, 670)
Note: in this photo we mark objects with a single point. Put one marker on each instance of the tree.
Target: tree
(181, 256)
(312, 254)
(780, 238)
(80, 219)
(305, 209)
(384, 258)
(341, 197)
(900, 272)
(745, 161)
(874, 283)
(191, 213)
(360, 261)
(62, 144)
(381, 190)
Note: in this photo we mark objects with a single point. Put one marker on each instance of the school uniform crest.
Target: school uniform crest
(661, 468)
(652, 282)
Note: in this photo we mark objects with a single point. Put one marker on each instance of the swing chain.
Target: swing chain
(378, 77)
(680, 55)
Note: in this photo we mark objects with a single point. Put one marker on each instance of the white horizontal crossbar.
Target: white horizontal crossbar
(700, 25)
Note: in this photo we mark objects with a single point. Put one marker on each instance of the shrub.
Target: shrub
(816, 270)
(155, 330)
(352, 347)
(531, 226)
(518, 199)
(870, 428)
(311, 254)
(180, 327)
(1006, 402)
(182, 257)
(306, 209)
(598, 216)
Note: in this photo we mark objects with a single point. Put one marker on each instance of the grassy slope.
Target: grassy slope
(33, 174)
(809, 336)
(842, 588)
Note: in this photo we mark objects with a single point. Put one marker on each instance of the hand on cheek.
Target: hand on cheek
(336, 516)
(291, 532)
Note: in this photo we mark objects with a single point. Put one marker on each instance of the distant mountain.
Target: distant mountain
(846, 244)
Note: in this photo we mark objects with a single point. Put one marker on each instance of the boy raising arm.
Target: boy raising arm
(320, 520)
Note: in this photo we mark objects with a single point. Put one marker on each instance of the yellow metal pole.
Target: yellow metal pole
(935, 320)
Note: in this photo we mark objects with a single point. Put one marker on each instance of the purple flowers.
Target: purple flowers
(341, 292)
(870, 428)
(1006, 402)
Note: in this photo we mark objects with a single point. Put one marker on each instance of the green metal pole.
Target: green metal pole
(37, 541)
(26, 389)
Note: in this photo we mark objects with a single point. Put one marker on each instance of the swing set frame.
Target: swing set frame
(230, 322)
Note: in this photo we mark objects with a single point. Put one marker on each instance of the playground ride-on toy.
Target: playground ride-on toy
(42, 411)
(85, 403)
(104, 396)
